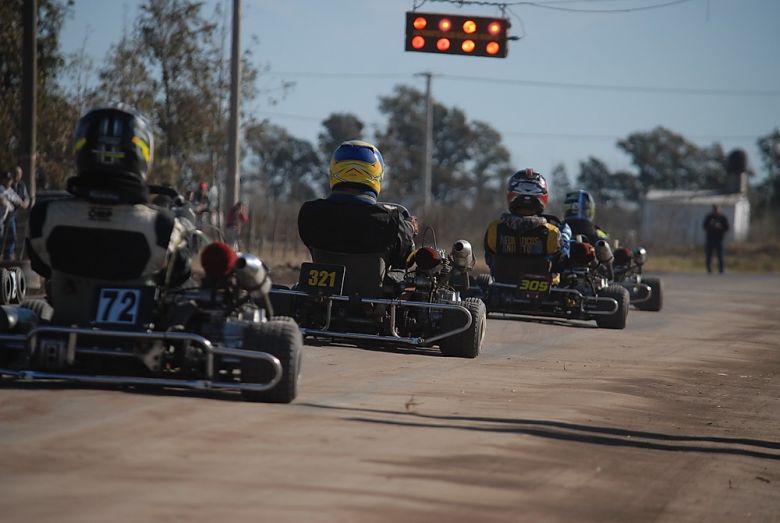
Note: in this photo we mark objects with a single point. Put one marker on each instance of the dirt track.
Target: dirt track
(676, 418)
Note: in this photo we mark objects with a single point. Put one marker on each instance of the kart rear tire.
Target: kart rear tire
(468, 343)
(282, 338)
(39, 307)
(616, 320)
(656, 300)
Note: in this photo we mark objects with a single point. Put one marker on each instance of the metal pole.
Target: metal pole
(428, 161)
(29, 92)
(233, 192)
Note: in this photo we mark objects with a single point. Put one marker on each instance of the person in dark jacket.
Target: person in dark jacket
(107, 235)
(716, 225)
(580, 210)
(350, 220)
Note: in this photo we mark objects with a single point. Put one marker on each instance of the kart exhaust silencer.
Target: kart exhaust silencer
(603, 252)
(462, 255)
(251, 273)
(640, 256)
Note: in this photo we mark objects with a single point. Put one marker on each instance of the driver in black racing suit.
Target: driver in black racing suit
(106, 233)
(350, 220)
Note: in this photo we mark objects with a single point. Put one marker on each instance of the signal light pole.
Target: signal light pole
(428, 154)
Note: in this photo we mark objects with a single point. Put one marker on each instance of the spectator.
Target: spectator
(716, 225)
(201, 204)
(11, 200)
(19, 187)
(236, 218)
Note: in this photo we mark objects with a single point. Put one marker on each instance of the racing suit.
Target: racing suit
(591, 232)
(357, 224)
(103, 237)
(513, 237)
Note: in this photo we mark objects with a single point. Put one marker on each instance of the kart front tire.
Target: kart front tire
(282, 338)
(656, 300)
(616, 320)
(468, 343)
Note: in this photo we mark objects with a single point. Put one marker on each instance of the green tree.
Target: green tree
(769, 147)
(284, 166)
(666, 160)
(468, 157)
(56, 115)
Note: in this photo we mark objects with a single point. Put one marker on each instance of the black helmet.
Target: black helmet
(113, 141)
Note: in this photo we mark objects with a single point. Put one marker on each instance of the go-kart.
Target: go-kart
(646, 293)
(576, 289)
(212, 336)
(347, 298)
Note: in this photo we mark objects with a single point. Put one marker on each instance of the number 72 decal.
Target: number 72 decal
(118, 306)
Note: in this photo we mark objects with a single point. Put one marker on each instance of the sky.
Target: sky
(571, 86)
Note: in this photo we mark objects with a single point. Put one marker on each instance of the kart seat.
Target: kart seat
(364, 272)
(509, 269)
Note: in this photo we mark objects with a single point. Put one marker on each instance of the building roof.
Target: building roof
(694, 197)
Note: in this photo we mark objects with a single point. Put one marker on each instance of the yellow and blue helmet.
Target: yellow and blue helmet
(357, 162)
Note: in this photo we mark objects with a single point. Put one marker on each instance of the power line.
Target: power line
(549, 5)
(542, 83)
(529, 134)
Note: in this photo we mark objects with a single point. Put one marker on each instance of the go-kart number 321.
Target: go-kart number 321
(318, 278)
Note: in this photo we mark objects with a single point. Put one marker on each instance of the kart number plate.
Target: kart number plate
(118, 306)
(534, 285)
(321, 278)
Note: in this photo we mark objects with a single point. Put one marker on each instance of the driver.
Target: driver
(580, 210)
(525, 230)
(350, 220)
(106, 232)
(579, 214)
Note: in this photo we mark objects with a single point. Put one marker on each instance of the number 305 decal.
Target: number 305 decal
(534, 285)
(319, 278)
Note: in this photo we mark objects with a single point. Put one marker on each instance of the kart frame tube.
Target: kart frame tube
(585, 299)
(29, 342)
(395, 337)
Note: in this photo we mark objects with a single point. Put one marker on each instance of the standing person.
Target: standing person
(716, 225)
(19, 187)
(9, 202)
(234, 222)
(201, 204)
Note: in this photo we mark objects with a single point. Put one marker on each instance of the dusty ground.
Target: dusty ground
(676, 418)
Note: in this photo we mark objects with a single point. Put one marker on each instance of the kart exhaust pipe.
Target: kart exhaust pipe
(603, 252)
(15, 318)
(640, 256)
(462, 255)
(252, 274)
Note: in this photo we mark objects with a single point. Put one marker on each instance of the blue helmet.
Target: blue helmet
(580, 204)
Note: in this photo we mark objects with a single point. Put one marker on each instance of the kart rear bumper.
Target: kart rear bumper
(326, 331)
(62, 345)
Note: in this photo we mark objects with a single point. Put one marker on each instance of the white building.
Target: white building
(677, 217)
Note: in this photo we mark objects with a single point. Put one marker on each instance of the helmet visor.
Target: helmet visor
(359, 153)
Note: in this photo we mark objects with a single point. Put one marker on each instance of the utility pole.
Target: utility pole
(428, 160)
(233, 192)
(29, 91)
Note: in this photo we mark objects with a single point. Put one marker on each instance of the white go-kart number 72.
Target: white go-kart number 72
(118, 306)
